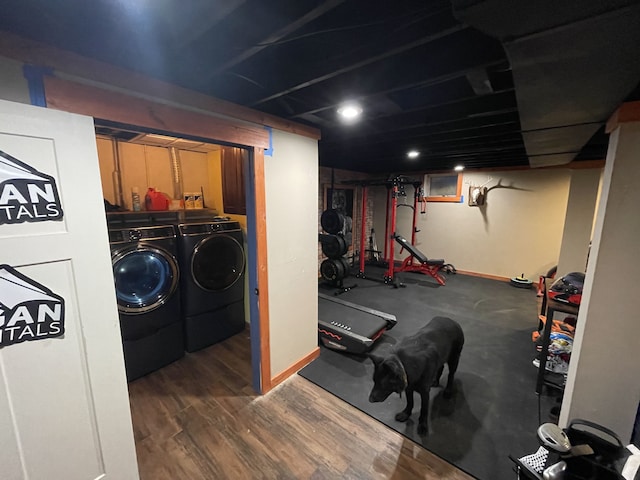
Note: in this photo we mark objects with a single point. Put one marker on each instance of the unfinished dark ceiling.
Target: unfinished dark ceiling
(494, 83)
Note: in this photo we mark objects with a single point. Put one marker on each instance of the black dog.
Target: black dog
(416, 364)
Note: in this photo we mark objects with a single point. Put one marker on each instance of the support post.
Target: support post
(363, 230)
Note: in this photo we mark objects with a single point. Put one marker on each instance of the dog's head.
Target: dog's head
(388, 377)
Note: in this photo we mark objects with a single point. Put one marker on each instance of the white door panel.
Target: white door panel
(42, 155)
(56, 393)
(64, 411)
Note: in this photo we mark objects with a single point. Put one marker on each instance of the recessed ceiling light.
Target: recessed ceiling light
(458, 168)
(413, 154)
(350, 111)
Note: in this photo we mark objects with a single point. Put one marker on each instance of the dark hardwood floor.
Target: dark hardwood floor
(199, 419)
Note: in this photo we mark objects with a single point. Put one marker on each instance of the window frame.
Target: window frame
(457, 198)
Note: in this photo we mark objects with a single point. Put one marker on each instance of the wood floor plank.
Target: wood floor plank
(199, 419)
(278, 437)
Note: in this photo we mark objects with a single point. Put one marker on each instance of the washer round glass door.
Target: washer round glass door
(145, 278)
(217, 263)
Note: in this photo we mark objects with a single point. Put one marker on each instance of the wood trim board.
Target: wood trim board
(627, 112)
(263, 273)
(104, 104)
(295, 367)
(69, 63)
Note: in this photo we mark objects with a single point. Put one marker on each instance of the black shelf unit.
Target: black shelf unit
(549, 309)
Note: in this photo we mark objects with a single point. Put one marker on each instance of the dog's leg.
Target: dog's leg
(423, 420)
(404, 415)
(454, 358)
(436, 381)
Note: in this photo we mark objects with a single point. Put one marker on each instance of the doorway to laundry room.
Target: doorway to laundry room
(178, 212)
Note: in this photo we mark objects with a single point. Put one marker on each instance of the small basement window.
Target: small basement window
(443, 187)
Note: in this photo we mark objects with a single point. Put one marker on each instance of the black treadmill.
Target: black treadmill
(349, 327)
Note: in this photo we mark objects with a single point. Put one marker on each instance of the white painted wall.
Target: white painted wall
(579, 221)
(518, 230)
(602, 383)
(291, 189)
(13, 85)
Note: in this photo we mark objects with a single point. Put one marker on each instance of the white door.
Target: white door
(64, 408)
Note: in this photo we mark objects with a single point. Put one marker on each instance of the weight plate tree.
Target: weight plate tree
(335, 245)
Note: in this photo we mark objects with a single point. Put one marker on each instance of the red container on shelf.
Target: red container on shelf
(155, 201)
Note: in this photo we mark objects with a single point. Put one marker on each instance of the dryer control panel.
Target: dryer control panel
(132, 235)
(209, 227)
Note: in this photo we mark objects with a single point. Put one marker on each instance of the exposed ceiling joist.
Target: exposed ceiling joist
(487, 83)
(275, 37)
(359, 64)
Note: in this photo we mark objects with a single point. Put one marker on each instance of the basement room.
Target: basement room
(319, 239)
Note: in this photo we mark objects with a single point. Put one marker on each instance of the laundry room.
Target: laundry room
(177, 222)
(189, 174)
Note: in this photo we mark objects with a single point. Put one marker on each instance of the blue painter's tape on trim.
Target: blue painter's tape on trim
(35, 75)
(269, 151)
(461, 198)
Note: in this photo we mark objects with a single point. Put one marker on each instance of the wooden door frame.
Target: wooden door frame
(117, 107)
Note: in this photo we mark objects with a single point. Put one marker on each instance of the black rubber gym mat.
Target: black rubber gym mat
(494, 411)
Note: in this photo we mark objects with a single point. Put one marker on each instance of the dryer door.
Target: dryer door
(145, 278)
(217, 263)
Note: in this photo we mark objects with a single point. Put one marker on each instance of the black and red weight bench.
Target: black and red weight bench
(427, 266)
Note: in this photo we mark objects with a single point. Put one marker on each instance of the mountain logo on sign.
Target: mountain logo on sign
(26, 195)
(28, 310)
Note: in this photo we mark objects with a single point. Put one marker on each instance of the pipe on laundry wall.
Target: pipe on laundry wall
(176, 172)
(116, 175)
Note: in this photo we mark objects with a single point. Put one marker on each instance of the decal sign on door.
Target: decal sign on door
(28, 310)
(26, 195)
